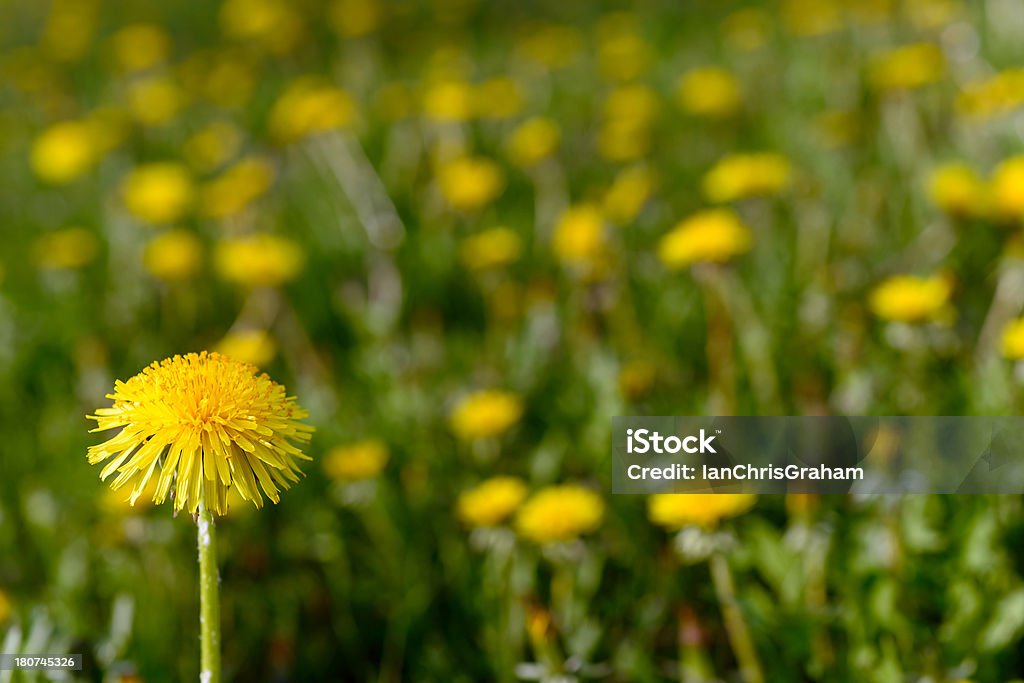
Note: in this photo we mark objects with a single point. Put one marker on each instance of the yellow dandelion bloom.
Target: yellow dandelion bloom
(67, 249)
(622, 140)
(633, 103)
(1013, 340)
(249, 346)
(491, 248)
(64, 152)
(675, 511)
(273, 24)
(1007, 188)
(260, 260)
(353, 18)
(307, 107)
(579, 235)
(907, 67)
(491, 502)
(212, 146)
(5, 607)
(709, 91)
(994, 95)
(155, 101)
(712, 236)
(533, 141)
(560, 513)
(137, 47)
(485, 414)
(908, 298)
(470, 183)
(158, 193)
(629, 193)
(498, 98)
(957, 189)
(204, 423)
(236, 188)
(737, 176)
(449, 101)
(173, 256)
(356, 461)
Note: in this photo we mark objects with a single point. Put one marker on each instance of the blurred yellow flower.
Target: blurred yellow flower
(533, 140)
(274, 24)
(470, 183)
(491, 248)
(64, 152)
(5, 607)
(249, 346)
(907, 67)
(353, 18)
(260, 260)
(737, 176)
(1013, 340)
(996, 94)
(629, 193)
(498, 98)
(309, 106)
(807, 18)
(559, 514)
(624, 140)
(578, 238)
(710, 236)
(622, 54)
(484, 414)
(356, 461)
(491, 502)
(677, 510)
(449, 101)
(173, 256)
(910, 299)
(957, 189)
(709, 91)
(211, 146)
(1007, 188)
(140, 46)
(158, 193)
(635, 103)
(747, 29)
(155, 100)
(225, 78)
(69, 29)
(236, 188)
(67, 249)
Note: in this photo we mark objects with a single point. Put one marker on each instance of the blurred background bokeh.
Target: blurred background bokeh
(466, 234)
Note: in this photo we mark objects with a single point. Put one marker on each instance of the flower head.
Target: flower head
(956, 189)
(158, 192)
(908, 298)
(1008, 188)
(674, 511)
(578, 239)
(67, 249)
(560, 513)
(260, 260)
(356, 461)
(709, 91)
(712, 236)
(175, 255)
(203, 423)
(485, 414)
(1013, 340)
(64, 152)
(907, 67)
(491, 502)
(491, 248)
(737, 176)
(470, 183)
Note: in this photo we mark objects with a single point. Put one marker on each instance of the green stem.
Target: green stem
(209, 598)
(735, 624)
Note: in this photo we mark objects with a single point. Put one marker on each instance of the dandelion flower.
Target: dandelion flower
(239, 186)
(249, 346)
(356, 461)
(491, 248)
(674, 511)
(173, 256)
(737, 176)
(533, 141)
(64, 152)
(560, 513)
(309, 106)
(137, 47)
(1013, 340)
(158, 193)
(956, 189)
(579, 235)
(909, 299)
(907, 67)
(709, 91)
(712, 236)
(485, 414)
(260, 260)
(491, 502)
(498, 98)
(1008, 188)
(470, 183)
(629, 193)
(203, 423)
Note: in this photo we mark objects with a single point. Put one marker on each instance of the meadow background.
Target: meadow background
(465, 234)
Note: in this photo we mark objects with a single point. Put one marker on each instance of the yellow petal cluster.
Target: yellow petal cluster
(711, 236)
(677, 510)
(356, 461)
(485, 414)
(491, 502)
(910, 299)
(560, 513)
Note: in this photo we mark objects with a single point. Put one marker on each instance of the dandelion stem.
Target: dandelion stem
(209, 598)
(735, 624)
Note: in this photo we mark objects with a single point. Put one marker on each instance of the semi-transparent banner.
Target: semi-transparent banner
(787, 454)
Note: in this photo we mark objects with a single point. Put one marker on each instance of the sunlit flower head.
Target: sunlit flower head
(622, 53)
(470, 183)
(907, 67)
(675, 511)
(533, 141)
(202, 423)
(911, 299)
(249, 346)
(155, 100)
(213, 145)
(629, 193)
(173, 255)
(993, 95)
(1007, 188)
(356, 461)
(711, 236)
(64, 152)
(236, 188)
(957, 189)
(709, 91)
(1012, 342)
(67, 249)
(559, 514)
(498, 98)
(449, 101)
(737, 176)
(158, 193)
(485, 414)
(309, 106)
(261, 260)
(579, 235)
(491, 248)
(491, 502)
(274, 25)
(140, 46)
